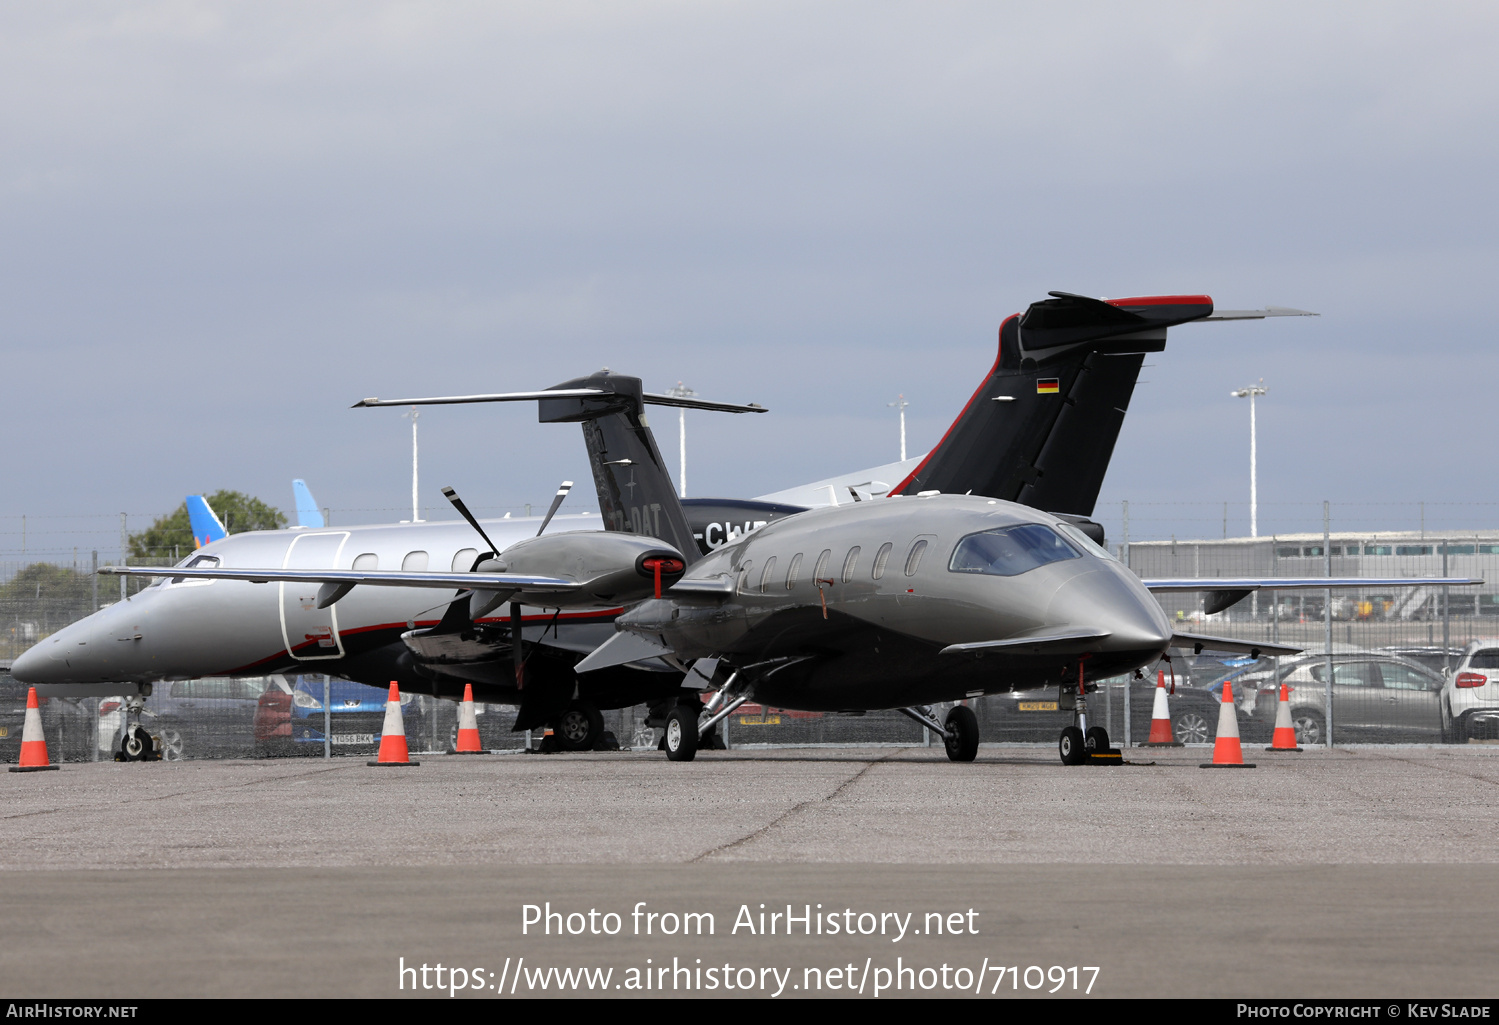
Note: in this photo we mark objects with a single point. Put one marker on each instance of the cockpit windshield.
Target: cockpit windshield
(1010, 551)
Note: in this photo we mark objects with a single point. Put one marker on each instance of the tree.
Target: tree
(173, 534)
(46, 595)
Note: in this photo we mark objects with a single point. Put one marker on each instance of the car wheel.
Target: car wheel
(962, 741)
(171, 744)
(1311, 727)
(681, 734)
(1459, 734)
(1192, 728)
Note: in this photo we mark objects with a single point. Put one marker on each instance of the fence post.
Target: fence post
(96, 580)
(327, 719)
(1447, 615)
(1327, 609)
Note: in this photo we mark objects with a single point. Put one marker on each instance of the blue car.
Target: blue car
(356, 716)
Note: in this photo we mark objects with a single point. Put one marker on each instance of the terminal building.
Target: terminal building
(1376, 616)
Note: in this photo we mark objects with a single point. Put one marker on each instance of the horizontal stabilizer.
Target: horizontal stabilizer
(1062, 642)
(1199, 642)
(1247, 584)
(621, 649)
(1268, 311)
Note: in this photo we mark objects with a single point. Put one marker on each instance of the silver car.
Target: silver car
(1376, 697)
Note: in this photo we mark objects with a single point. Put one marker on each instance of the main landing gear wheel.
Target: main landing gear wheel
(962, 740)
(1096, 740)
(580, 727)
(681, 734)
(1070, 746)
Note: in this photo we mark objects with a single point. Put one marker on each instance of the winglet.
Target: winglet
(307, 510)
(205, 524)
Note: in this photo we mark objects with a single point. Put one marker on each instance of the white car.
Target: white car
(1470, 695)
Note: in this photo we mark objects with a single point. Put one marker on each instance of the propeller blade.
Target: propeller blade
(567, 486)
(452, 496)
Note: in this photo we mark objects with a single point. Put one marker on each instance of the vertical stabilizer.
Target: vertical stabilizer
(635, 491)
(205, 524)
(308, 514)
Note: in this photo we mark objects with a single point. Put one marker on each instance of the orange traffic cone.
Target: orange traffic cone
(1285, 734)
(1160, 717)
(1226, 751)
(33, 744)
(468, 726)
(393, 734)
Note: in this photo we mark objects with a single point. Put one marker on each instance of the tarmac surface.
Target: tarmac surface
(1357, 872)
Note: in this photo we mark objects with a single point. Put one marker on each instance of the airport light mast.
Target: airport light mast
(1254, 498)
(681, 391)
(416, 513)
(901, 404)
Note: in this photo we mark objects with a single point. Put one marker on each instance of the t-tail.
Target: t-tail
(205, 524)
(1040, 430)
(635, 491)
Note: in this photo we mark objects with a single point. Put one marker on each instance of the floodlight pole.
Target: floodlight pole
(416, 513)
(681, 391)
(1254, 498)
(900, 403)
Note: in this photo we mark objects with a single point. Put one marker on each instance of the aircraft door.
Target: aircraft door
(310, 633)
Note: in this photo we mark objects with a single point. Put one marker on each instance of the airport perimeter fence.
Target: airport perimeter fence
(1392, 648)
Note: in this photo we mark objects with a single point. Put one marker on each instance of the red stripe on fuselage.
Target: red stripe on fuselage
(953, 426)
(421, 623)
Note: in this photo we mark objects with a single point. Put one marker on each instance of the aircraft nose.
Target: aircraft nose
(1103, 599)
(29, 666)
(64, 657)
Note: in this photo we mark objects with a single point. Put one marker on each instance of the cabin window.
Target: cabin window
(464, 560)
(880, 558)
(368, 561)
(1010, 551)
(415, 562)
(913, 557)
(770, 567)
(744, 576)
(792, 570)
(820, 571)
(850, 562)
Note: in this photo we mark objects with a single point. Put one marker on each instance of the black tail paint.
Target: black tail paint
(1041, 428)
(635, 491)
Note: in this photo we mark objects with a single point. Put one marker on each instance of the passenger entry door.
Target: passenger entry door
(310, 633)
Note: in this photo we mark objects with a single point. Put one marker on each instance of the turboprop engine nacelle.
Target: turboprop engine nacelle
(613, 568)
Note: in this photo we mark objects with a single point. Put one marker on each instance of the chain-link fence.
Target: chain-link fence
(1390, 673)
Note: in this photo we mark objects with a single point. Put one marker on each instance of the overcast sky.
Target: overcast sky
(220, 224)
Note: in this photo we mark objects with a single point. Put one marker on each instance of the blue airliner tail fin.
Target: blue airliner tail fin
(206, 525)
(307, 509)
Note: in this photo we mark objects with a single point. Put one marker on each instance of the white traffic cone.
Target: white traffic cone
(468, 726)
(33, 743)
(393, 733)
(1227, 754)
(1160, 717)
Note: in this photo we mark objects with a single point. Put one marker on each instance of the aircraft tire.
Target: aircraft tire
(1096, 740)
(136, 746)
(1070, 746)
(579, 727)
(962, 742)
(681, 734)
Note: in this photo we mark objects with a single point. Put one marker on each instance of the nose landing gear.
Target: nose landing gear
(1081, 744)
(136, 743)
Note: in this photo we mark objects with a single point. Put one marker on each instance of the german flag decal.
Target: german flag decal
(1047, 385)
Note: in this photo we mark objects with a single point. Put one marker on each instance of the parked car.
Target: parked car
(1037, 715)
(1376, 697)
(1470, 695)
(289, 717)
(211, 717)
(1433, 657)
